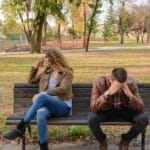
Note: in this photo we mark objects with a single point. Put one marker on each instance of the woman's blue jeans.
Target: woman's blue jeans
(44, 107)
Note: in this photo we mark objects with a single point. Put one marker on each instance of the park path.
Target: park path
(90, 145)
(102, 48)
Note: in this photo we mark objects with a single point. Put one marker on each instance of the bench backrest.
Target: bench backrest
(81, 100)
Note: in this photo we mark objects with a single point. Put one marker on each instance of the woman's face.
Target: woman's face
(46, 62)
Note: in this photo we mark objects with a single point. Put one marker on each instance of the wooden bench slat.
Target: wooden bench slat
(74, 85)
(74, 120)
(29, 95)
(76, 100)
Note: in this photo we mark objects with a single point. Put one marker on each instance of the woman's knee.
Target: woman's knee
(40, 97)
(41, 114)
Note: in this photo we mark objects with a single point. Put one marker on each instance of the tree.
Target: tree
(139, 16)
(124, 20)
(18, 8)
(147, 27)
(59, 22)
(10, 25)
(39, 10)
(43, 9)
(95, 8)
(110, 29)
(84, 7)
(72, 33)
(77, 17)
(44, 31)
(120, 22)
(137, 27)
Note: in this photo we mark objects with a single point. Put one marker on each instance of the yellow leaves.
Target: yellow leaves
(77, 14)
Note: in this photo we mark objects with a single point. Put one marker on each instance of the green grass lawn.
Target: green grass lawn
(14, 68)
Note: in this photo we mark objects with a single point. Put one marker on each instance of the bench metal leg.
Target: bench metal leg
(23, 139)
(23, 142)
(143, 140)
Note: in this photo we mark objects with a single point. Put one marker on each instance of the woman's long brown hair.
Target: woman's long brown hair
(57, 59)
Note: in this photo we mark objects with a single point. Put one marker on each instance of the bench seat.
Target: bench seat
(73, 120)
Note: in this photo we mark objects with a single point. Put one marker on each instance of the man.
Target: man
(116, 96)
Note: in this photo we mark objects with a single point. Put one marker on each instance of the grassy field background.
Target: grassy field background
(14, 68)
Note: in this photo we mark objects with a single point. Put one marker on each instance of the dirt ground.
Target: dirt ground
(82, 145)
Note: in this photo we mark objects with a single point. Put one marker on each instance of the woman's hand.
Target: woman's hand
(34, 97)
(40, 63)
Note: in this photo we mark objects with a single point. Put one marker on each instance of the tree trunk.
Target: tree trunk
(59, 35)
(121, 27)
(137, 36)
(91, 25)
(73, 33)
(142, 36)
(121, 30)
(84, 32)
(45, 30)
(37, 33)
(88, 40)
(148, 37)
(122, 38)
(27, 32)
(137, 39)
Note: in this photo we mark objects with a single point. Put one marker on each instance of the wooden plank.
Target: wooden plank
(143, 85)
(81, 99)
(20, 85)
(80, 109)
(144, 90)
(24, 95)
(70, 122)
(82, 90)
(22, 100)
(145, 95)
(30, 95)
(61, 120)
(19, 109)
(28, 104)
(74, 85)
(26, 90)
(74, 120)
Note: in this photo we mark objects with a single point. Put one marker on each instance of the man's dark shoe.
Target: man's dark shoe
(18, 131)
(124, 145)
(44, 146)
(103, 145)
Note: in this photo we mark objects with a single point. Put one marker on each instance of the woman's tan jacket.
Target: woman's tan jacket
(63, 87)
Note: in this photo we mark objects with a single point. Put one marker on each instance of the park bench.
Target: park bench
(82, 91)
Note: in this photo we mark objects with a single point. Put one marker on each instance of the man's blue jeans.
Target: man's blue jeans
(44, 107)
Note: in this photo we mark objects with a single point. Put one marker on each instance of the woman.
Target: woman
(54, 98)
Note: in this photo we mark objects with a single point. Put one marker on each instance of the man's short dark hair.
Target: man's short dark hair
(120, 74)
